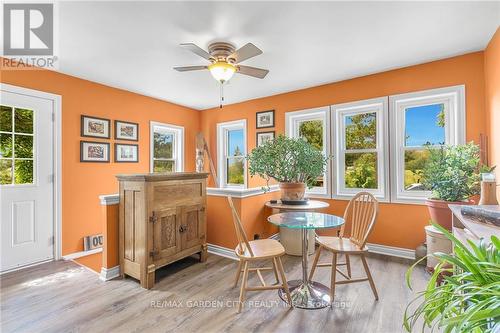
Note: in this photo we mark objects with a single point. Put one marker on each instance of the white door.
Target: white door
(26, 180)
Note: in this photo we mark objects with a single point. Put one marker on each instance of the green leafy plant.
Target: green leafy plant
(468, 297)
(452, 172)
(287, 160)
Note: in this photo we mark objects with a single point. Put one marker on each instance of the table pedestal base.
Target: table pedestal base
(310, 295)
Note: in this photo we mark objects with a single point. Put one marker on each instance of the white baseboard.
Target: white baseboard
(80, 254)
(275, 237)
(391, 251)
(222, 251)
(109, 273)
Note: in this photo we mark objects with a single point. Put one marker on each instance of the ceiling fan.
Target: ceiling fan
(225, 60)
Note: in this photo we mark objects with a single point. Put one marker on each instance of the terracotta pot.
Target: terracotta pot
(292, 191)
(441, 213)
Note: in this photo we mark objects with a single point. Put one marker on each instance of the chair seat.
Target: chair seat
(262, 248)
(337, 244)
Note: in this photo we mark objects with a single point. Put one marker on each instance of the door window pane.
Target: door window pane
(235, 143)
(235, 171)
(5, 172)
(361, 170)
(163, 166)
(23, 146)
(415, 161)
(163, 145)
(23, 121)
(23, 171)
(5, 145)
(425, 125)
(5, 119)
(312, 132)
(361, 131)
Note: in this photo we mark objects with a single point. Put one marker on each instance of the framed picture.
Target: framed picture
(263, 137)
(95, 127)
(265, 119)
(94, 151)
(126, 131)
(126, 153)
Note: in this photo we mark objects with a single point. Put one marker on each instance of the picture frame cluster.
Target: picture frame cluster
(100, 128)
(264, 119)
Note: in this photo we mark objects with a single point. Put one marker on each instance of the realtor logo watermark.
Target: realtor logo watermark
(28, 36)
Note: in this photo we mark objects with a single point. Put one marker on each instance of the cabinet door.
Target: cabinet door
(193, 225)
(166, 235)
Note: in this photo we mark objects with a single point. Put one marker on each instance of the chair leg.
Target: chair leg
(243, 286)
(333, 278)
(348, 264)
(284, 281)
(238, 273)
(275, 270)
(370, 279)
(315, 262)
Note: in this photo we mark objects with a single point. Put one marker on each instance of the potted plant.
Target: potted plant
(293, 162)
(463, 298)
(452, 173)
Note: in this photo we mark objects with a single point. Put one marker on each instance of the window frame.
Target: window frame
(454, 99)
(292, 126)
(222, 145)
(178, 145)
(338, 113)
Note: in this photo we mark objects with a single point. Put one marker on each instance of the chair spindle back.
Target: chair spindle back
(362, 212)
(240, 232)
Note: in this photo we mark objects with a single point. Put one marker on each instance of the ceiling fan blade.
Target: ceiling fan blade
(196, 50)
(245, 52)
(253, 71)
(190, 68)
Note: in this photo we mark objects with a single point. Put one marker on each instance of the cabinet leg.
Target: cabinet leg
(204, 253)
(148, 281)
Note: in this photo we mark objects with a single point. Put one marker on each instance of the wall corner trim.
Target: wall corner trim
(109, 273)
(80, 254)
(391, 251)
(222, 251)
(109, 199)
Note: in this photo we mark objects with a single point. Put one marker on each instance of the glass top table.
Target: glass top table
(306, 294)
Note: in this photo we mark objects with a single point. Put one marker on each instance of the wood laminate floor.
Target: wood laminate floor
(197, 297)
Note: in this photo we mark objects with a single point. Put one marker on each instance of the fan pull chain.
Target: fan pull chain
(221, 95)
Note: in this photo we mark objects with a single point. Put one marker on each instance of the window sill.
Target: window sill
(238, 192)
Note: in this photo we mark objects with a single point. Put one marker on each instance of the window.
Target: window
(167, 147)
(360, 148)
(420, 120)
(312, 125)
(16, 146)
(231, 142)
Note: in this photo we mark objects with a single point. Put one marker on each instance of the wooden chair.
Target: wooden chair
(361, 212)
(252, 251)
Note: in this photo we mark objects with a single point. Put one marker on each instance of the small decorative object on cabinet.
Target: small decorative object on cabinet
(161, 220)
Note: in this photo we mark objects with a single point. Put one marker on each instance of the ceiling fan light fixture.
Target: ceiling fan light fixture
(222, 71)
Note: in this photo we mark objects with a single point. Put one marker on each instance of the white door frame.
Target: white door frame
(57, 165)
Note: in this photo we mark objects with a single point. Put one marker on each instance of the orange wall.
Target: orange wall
(492, 91)
(82, 183)
(398, 225)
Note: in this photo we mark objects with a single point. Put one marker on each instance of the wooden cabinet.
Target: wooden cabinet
(161, 220)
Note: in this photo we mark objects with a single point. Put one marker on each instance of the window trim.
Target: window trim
(178, 132)
(454, 134)
(338, 112)
(292, 120)
(222, 129)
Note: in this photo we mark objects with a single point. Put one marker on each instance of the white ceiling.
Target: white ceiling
(134, 45)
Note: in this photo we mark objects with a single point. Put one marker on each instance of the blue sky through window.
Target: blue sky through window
(235, 139)
(421, 125)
